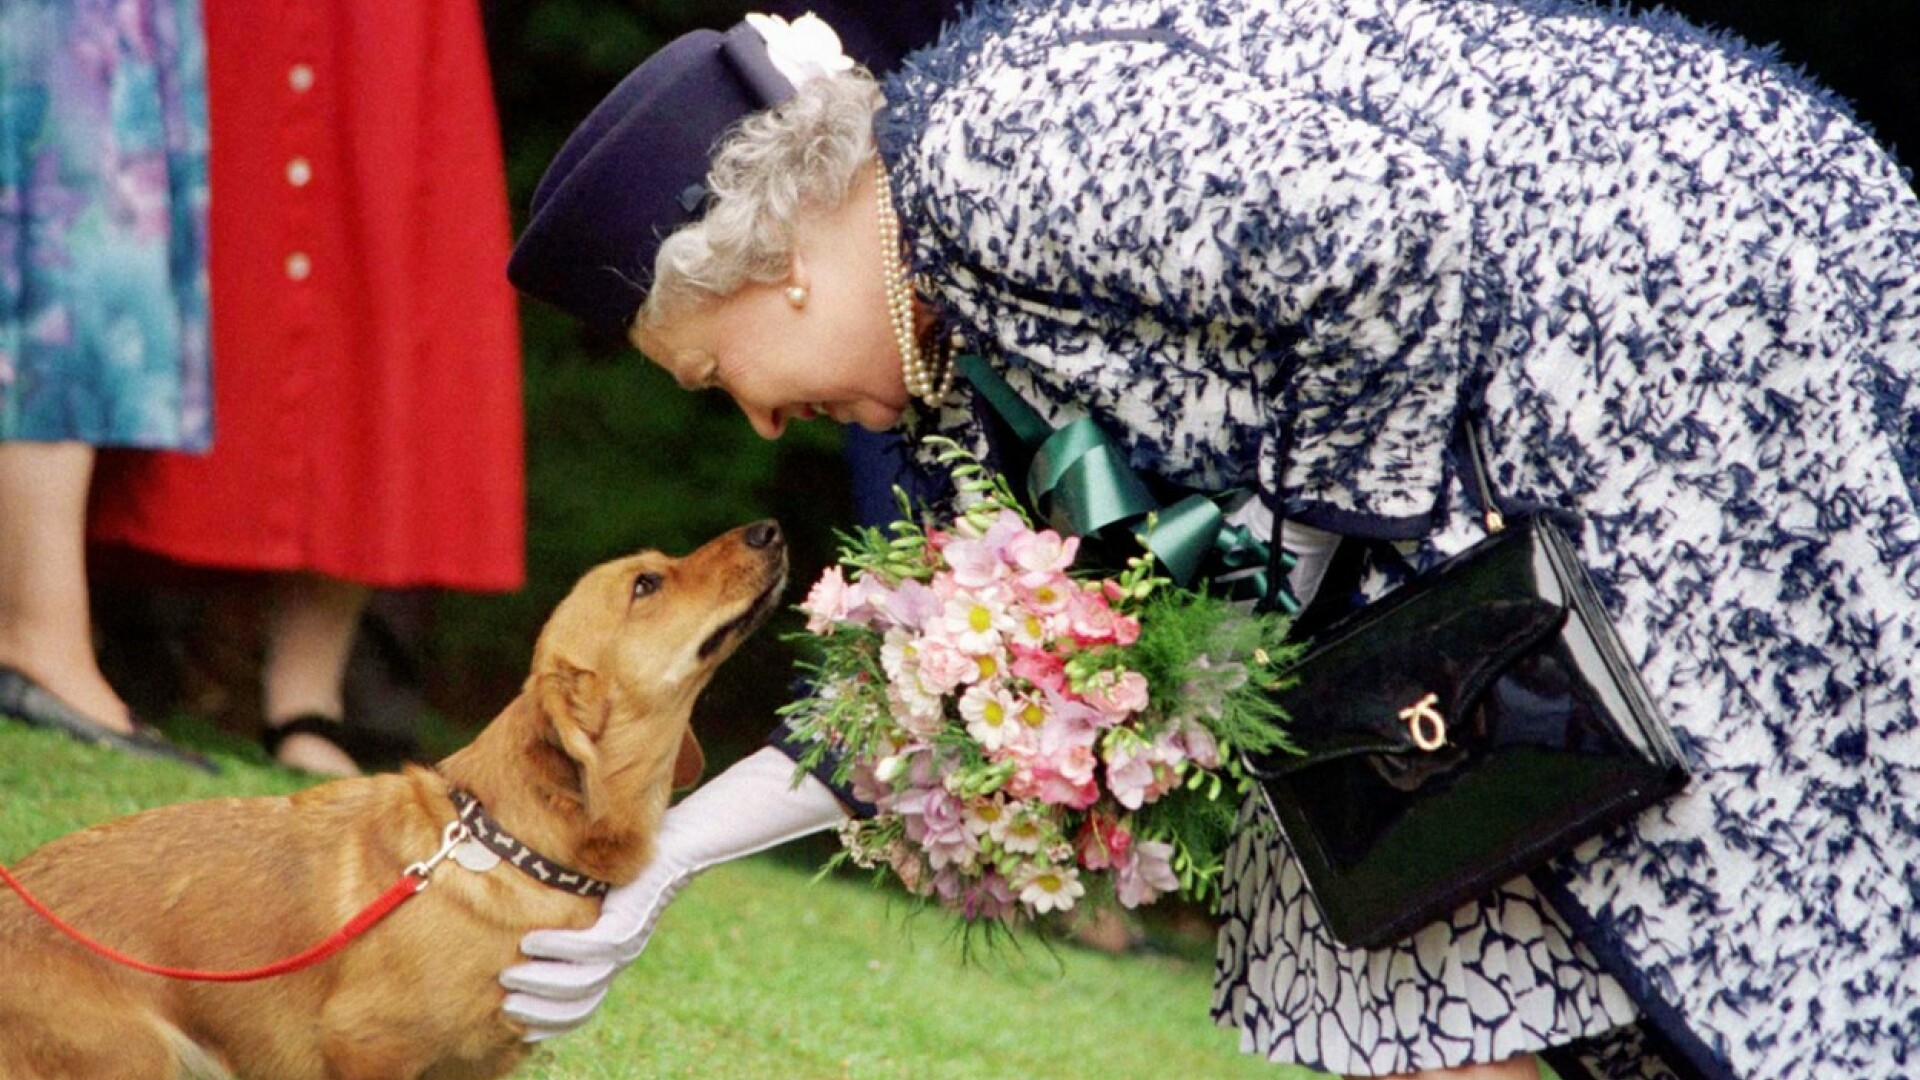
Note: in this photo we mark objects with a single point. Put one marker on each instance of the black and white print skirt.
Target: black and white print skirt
(1502, 977)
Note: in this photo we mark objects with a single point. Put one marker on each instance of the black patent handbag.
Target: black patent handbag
(1461, 732)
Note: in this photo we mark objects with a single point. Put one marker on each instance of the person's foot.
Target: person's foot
(80, 688)
(309, 744)
(23, 698)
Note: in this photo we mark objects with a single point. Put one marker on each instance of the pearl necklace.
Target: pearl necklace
(927, 378)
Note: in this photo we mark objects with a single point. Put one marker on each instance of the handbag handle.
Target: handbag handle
(1279, 595)
(1477, 460)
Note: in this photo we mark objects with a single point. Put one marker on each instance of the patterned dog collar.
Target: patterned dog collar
(489, 834)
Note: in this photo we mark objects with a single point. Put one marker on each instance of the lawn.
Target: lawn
(758, 969)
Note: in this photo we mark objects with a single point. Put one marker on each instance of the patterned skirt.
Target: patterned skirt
(1500, 978)
(103, 206)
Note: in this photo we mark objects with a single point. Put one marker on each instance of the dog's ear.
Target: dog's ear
(572, 706)
(691, 762)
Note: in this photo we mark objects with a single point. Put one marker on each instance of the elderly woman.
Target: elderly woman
(1674, 284)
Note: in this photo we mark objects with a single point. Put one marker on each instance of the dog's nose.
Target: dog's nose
(763, 534)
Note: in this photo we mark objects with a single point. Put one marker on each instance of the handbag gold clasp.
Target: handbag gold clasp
(1425, 724)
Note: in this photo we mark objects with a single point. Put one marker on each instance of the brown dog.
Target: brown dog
(579, 768)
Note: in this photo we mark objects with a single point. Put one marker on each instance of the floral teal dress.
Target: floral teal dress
(103, 208)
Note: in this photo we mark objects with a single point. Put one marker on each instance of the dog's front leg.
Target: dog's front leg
(383, 1053)
(463, 1041)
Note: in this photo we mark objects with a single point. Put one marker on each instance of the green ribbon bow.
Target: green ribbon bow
(1080, 482)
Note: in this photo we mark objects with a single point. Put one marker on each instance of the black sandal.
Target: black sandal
(372, 751)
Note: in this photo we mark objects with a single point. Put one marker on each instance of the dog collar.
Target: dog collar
(488, 833)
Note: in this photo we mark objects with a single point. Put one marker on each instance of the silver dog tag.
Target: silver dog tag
(475, 856)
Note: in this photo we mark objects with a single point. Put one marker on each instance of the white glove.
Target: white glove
(1312, 547)
(749, 808)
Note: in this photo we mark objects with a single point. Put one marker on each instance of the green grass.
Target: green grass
(758, 970)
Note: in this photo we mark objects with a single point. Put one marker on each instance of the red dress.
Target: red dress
(367, 415)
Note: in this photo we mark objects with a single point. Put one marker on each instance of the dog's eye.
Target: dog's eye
(646, 585)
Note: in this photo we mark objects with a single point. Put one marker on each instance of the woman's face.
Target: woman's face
(834, 356)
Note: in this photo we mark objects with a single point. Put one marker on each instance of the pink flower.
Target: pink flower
(978, 558)
(951, 851)
(1063, 776)
(1069, 722)
(1170, 748)
(1042, 669)
(1045, 594)
(826, 602)
(910, 604)
(835, 600)
(936, 821)
(1145, 873)
(943, 667)
(1126, 628)
(948, 884)
(1090, 620)
(1139, 774)
(1041, 557)
(989, 898)
(973, 564)
(1117, 693)
(1202, 748)
(1104, 842)
(864, 601)
(1004, 530)
(1130, 775)
(866, 786)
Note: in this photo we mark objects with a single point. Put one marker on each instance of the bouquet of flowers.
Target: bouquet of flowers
(1027, 729)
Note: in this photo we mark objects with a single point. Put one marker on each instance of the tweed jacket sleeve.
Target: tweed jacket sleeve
(1123, 216)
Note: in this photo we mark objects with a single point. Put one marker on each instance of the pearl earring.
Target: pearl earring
(796, 296)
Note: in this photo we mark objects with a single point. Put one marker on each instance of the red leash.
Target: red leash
(412, 880)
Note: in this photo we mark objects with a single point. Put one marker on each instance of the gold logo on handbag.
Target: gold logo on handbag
(1425, 724)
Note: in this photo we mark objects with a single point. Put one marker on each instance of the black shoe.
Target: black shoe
(32, 704)
(372, 751)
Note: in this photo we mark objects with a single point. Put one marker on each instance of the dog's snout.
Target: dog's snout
(763, 534)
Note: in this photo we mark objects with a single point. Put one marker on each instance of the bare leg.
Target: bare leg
(1524, 1067)
(310, 627)
(46, 629)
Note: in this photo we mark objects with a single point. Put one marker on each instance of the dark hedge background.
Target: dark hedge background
(619, 457)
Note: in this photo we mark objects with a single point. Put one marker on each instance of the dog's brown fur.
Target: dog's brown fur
(579, 766)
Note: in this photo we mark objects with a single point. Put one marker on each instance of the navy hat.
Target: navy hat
(635, 170)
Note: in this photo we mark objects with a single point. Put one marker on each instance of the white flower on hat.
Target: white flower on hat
(801, 50)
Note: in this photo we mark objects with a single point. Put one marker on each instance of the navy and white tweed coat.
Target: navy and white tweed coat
(1680, 285)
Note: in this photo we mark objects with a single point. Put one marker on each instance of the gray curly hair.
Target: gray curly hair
(804, 153)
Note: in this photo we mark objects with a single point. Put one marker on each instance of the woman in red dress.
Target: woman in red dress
(367, 416)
